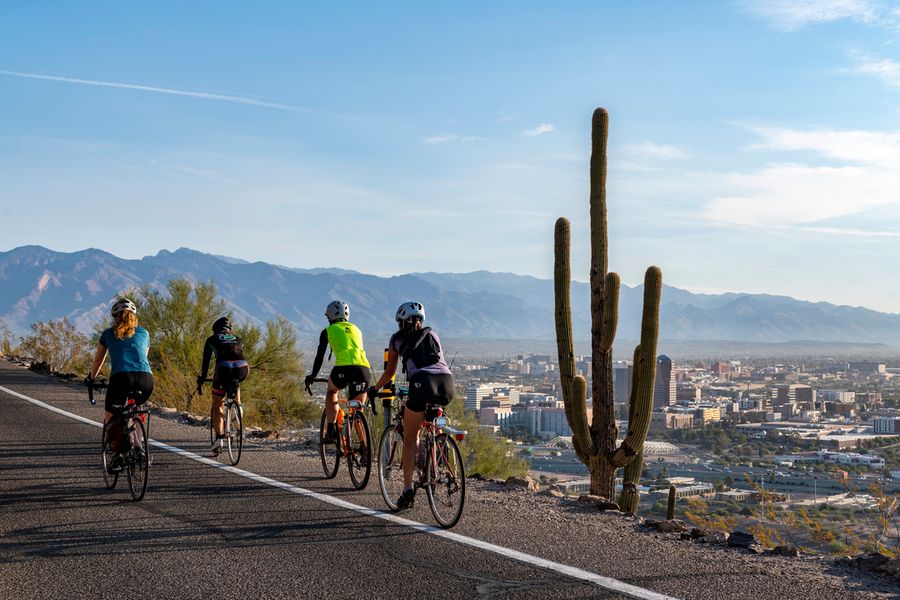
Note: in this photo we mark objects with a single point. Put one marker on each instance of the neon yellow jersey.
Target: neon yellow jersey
(346, 343)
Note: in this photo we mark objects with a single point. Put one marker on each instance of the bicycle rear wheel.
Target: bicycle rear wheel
(234, 425)
(330, 453)
(359, 459)
(445, 481)
(107, 456)
(138, 460)
(390, 466)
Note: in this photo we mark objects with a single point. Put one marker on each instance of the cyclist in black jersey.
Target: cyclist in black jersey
(230, 364)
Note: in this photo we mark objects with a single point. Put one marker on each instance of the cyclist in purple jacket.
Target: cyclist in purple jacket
(430, 382)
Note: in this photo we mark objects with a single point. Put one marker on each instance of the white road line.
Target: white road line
(607, 583)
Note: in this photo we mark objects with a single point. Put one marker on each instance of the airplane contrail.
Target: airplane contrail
(160, 90)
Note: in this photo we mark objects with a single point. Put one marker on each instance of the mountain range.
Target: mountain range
(40, 284)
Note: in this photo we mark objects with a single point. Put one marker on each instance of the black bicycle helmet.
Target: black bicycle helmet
(221, 325)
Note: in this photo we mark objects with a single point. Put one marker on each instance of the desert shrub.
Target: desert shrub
(59, 344)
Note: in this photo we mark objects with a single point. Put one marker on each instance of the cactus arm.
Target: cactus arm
(574, 389)
(644, 372)
(610, 311)
(629, 498)
(670, 505)
(577, 416)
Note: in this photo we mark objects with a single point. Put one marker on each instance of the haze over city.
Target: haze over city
(753, 145)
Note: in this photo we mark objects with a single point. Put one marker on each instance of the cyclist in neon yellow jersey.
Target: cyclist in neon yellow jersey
(351, 367)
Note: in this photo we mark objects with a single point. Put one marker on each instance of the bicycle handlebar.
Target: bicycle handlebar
(92, 384)
(316, 380)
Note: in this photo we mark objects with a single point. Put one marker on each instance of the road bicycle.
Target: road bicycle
(135, 459)
(233, 424)
(352, 442)
(439, 464)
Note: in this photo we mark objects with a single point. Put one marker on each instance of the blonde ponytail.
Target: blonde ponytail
(125, 324)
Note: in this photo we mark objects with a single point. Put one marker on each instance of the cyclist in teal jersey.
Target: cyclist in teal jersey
(127, 345)
(351, 367)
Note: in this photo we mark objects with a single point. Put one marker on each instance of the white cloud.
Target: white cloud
(868, 233)
(449, 138)
(160, 90)
(864, 147)
(886, 70)
(656, 151)
(793, 194)
(539, 130)
(790, 15)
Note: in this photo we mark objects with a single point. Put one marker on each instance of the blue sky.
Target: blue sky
(754, 146)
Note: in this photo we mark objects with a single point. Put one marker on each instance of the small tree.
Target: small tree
(6, 340)
(179, 321)
(58, 344)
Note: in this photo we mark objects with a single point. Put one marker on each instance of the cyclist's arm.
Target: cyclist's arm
(99, 357)
(207, 355)
(389, 370)
(320, 353)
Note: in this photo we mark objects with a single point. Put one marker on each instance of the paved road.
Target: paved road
(276, 529)
(202, 531)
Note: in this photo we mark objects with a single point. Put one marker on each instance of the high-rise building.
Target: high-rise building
(886, 425)
(664, 388)
(623, 372)
(475, 393)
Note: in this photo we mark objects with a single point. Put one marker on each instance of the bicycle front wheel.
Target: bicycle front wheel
(445, 481)
(390, 466)
(330, 452)
(138, 460)
(359, 457)
(234, 427)
(107, 456)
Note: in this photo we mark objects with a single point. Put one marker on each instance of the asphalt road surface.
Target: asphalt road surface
(274, 528)
(202, 531)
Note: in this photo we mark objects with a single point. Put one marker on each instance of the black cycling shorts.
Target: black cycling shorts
(357, 379)
(124, 384)
(429, 388)
(226, 372)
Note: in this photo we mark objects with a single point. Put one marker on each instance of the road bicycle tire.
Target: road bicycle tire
(138, 461)
(359, 456)
(329, 453)
(106, 458)
(390, 467)
(445, 482)
(234, 425)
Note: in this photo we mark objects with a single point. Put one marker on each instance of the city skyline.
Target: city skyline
(753, 146)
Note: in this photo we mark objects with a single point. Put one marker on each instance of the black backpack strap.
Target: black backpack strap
(408, 347)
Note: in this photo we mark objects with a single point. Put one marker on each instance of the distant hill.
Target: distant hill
(40, 284)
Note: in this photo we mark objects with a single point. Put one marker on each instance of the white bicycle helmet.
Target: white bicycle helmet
(410, 310)
(122, 305)
(338, 309)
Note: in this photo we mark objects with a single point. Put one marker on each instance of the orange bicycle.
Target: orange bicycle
(353, 442)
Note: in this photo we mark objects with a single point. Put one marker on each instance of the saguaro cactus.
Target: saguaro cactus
(595, 442)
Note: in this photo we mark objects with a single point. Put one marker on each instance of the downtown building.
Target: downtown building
(665, 387)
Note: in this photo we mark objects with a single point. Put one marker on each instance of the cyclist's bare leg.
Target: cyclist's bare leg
(217, 412)
(360, 432)
(412, 422)
(331, 402)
